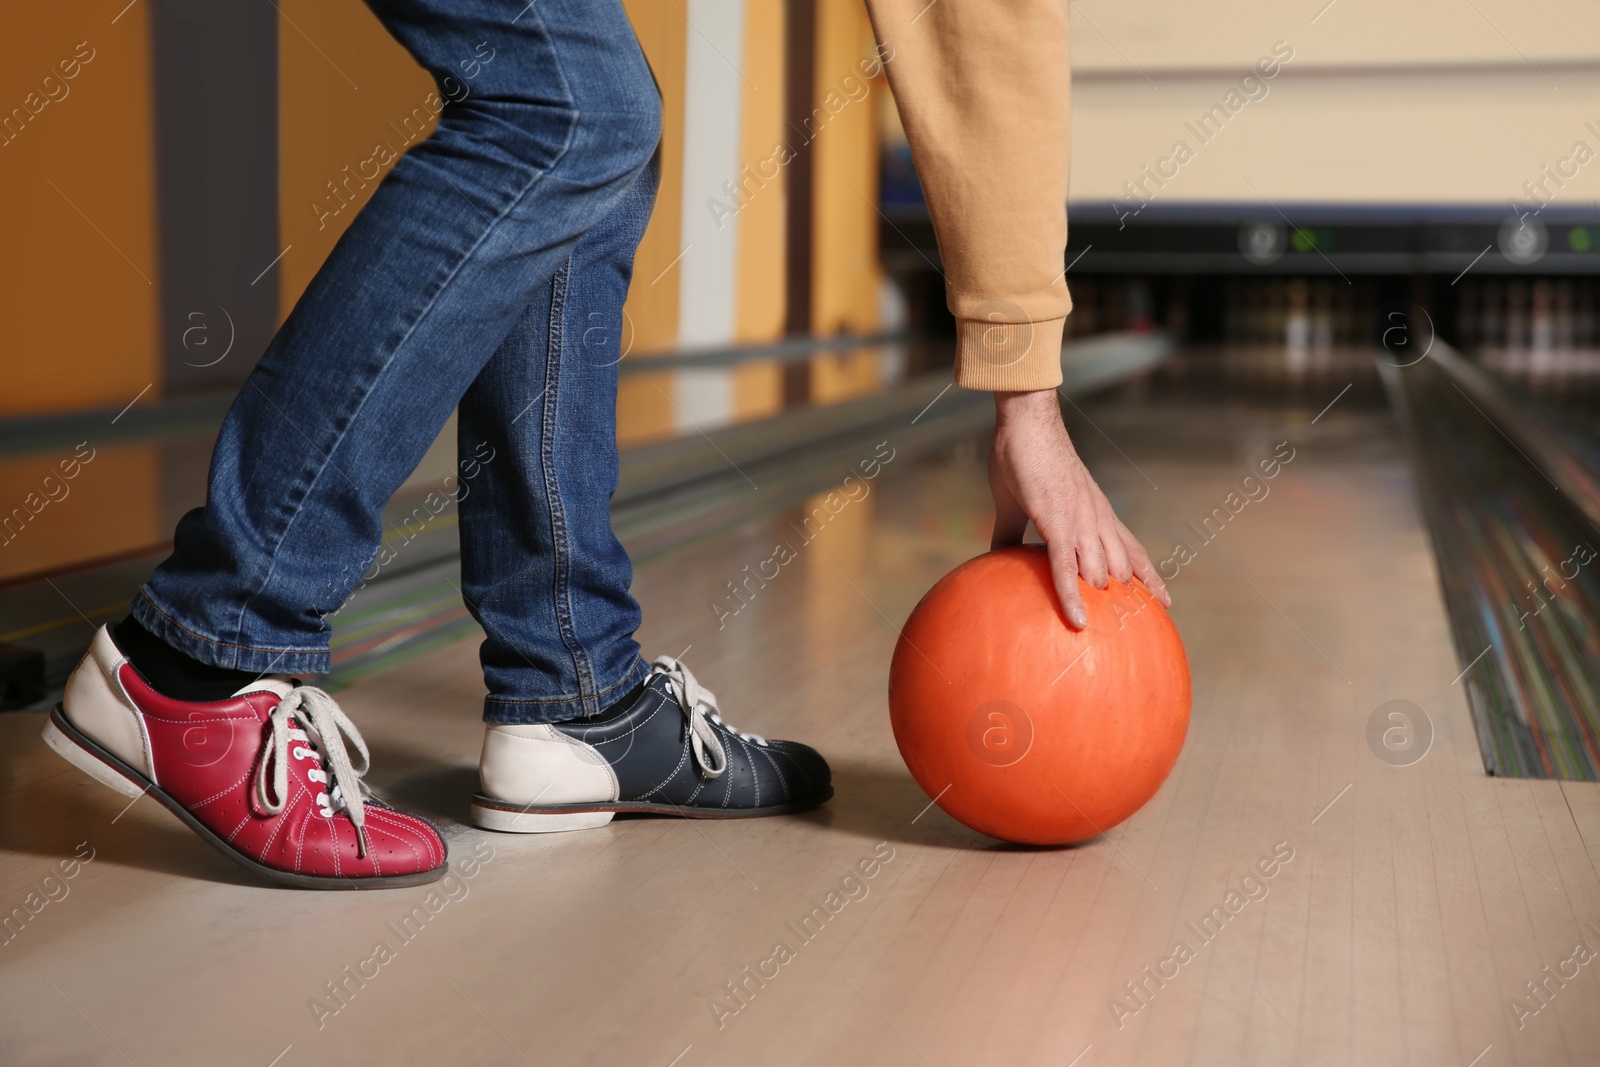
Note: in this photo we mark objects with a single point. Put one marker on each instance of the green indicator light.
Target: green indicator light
(1304, 240)
(1579, 239)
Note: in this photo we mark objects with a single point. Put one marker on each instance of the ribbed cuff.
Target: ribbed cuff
(1008, 356)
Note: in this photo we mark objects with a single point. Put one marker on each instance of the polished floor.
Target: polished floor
(1414, 906)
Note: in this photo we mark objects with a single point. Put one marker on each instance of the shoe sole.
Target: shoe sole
(491, 814)
(78, 749)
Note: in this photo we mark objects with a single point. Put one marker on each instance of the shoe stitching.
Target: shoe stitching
(632, 730)
(333, 838)
(755, 779)
(299, 791)
(219, 717)
(415, 855)
(683, 756)
(402, 821)
(788, 794)
(399, 821)
(300, 845)
(586, 751)
(223, 793)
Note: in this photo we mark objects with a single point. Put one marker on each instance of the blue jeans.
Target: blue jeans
(488, 270)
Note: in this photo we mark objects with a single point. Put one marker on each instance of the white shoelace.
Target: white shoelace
(695, 700)
(312, 717)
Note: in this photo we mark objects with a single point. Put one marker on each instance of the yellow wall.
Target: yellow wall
(340, 99)
(79, 292)
(78, 298)
(327, 125)
(79, 295)
(651, 314)
(761, 220)
(758, 387)
(845, 271)
(109, 504)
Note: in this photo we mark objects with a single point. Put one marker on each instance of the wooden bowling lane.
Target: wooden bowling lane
(1407, 907)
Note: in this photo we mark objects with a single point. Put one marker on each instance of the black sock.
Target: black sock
(172, 673)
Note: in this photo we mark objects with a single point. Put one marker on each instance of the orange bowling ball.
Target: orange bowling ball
(1024, 729)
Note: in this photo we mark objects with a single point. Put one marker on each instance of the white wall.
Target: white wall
(706, 302)
(1415, 101)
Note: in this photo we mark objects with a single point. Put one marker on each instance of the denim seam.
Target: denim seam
(303, 487)
(432, 302)
(570, 698)
(148, 599)
(560, 544)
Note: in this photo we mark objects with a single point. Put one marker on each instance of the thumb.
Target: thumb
(1010, 518)
(1010, 523)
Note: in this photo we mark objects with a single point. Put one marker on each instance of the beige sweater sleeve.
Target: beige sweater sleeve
(983, 88)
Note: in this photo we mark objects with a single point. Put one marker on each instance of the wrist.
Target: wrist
(1041, 405)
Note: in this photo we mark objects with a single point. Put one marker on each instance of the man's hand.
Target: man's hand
(1035, 473)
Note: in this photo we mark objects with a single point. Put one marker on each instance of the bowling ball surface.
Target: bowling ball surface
(1024, 729)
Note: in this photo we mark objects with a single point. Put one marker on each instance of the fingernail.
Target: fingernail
(1080, 617)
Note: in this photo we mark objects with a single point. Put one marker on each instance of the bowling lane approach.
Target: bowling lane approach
(876, 929)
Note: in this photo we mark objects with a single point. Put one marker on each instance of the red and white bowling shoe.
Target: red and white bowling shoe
(263, 776)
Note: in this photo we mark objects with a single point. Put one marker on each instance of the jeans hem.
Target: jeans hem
(511, 711)
(164, 623)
